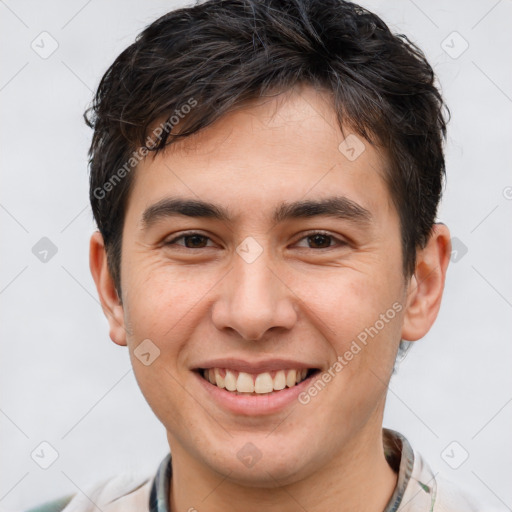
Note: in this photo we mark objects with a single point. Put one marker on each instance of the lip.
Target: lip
(254, 405)
(241, 365)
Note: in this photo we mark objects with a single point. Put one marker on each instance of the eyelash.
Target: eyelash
(310, 234)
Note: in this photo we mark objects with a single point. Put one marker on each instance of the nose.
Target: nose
(254, 299)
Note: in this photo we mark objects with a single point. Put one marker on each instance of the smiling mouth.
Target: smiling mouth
(242, 383)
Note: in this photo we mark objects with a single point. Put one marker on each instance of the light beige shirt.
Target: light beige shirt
(417, 490)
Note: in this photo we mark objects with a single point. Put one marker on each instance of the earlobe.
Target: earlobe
(109, 299)
(425, 289)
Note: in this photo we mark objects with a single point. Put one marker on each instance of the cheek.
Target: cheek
(358, 312)
(348, 300)
(164, 302)
(161, 307)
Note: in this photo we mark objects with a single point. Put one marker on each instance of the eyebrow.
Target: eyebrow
(339, 207)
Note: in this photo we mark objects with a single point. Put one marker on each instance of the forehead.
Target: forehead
(289, 146)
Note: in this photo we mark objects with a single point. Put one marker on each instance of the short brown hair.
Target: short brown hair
(222, 53)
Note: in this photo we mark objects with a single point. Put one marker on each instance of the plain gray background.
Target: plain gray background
(65, 383)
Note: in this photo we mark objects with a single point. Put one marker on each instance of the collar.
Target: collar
(415, 479)
(159, 496)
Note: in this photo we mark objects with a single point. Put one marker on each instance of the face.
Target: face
(256, 254)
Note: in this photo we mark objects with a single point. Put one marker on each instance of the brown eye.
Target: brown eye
(319, 241)
(195, 241)
(191, 241)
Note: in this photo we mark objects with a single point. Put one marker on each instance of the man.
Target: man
(265, 178)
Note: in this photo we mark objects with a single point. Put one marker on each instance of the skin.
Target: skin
(296, 300)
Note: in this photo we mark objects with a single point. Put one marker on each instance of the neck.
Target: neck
(359, 478)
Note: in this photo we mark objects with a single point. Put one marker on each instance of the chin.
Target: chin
(261, 463)
(263, 475)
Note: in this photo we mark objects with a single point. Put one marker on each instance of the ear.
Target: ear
(426, 286)
(109, 298)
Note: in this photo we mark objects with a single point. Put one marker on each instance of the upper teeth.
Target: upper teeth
(248, 383)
